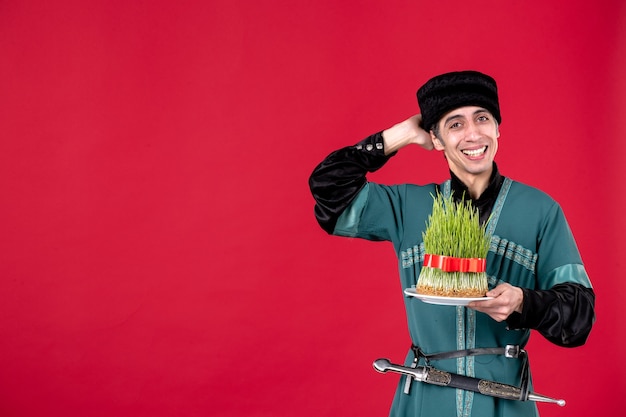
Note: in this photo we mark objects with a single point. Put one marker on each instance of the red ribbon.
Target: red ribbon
(452, 264)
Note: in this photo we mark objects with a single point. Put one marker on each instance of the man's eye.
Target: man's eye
(455, 125)
(483, 118)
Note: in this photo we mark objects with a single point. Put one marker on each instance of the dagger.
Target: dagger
(434, 376)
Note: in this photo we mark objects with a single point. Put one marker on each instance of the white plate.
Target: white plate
(444, 301)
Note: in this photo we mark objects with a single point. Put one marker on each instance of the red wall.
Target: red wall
(158, 251)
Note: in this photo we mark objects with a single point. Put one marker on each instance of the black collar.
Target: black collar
(486, 200)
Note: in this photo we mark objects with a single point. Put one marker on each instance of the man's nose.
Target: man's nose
(473, 131)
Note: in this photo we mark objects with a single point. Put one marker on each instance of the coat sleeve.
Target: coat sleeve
(561, 306)
(563, 314)
(337, 180)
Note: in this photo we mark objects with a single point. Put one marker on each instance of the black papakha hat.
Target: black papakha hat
(452, 90)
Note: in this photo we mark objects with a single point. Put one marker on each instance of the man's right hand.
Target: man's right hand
(406, 133)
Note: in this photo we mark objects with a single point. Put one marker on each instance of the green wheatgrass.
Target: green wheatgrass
(454, 229)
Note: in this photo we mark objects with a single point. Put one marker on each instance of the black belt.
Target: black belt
(510, 351)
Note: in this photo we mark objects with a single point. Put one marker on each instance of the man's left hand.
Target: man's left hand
(506, 300)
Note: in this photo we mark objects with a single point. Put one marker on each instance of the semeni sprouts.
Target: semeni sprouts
(456, 247)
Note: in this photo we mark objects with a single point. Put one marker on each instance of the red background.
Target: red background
(159, 254)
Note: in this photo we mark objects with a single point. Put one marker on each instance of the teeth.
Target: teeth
(475, 152)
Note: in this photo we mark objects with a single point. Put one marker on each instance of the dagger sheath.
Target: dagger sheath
(468, 383)
(435, 376)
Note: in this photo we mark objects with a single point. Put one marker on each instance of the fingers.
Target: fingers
(500, 289)
(506, 300)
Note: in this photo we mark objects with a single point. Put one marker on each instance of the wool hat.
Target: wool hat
(452, 90)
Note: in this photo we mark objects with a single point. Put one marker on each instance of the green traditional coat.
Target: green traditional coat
(531, 247)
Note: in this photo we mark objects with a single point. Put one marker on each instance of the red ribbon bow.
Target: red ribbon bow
(452, 264)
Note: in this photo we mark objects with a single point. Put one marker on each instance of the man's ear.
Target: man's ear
(436, 141)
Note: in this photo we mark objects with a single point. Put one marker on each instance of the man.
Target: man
(536, 275)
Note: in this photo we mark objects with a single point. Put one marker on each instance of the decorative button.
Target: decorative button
(369, 146)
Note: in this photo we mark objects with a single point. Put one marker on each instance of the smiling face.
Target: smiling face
(468, 136)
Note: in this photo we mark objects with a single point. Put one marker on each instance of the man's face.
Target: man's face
(468, 136)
